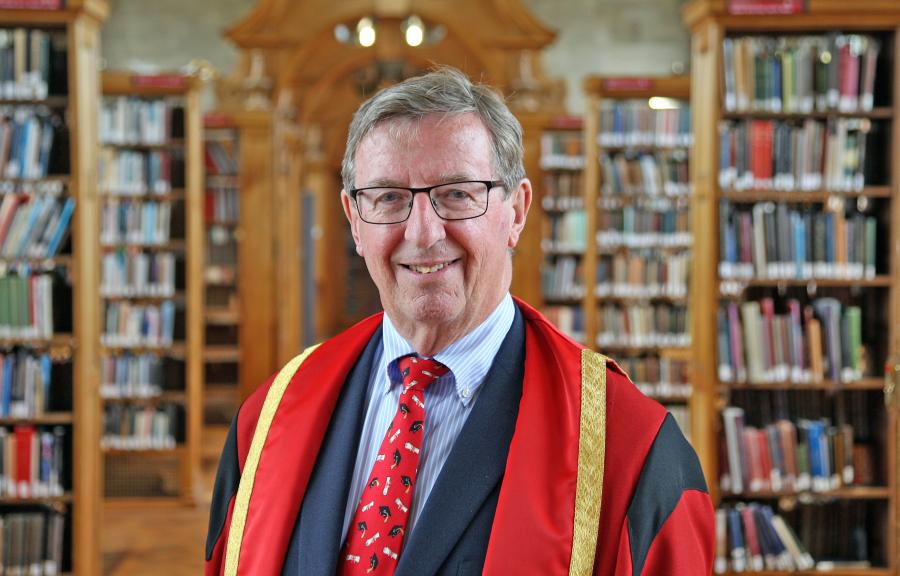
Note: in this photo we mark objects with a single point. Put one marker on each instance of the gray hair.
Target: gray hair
(445, 91)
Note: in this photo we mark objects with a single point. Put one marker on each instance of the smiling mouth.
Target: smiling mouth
(428, 269)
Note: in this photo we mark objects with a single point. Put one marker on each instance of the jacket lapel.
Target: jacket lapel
(474, 466)
(315, 544)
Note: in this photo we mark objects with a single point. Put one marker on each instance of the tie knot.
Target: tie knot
(420, 372)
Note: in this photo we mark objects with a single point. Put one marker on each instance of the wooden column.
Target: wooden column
(256, 274)
(289, 242)
(704, 295)
(87, 479)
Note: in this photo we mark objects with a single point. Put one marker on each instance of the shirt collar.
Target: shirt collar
(469, 358)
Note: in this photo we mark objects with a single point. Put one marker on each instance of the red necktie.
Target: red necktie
(375, 535)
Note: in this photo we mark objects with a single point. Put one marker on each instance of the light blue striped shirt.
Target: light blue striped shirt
(448, 401)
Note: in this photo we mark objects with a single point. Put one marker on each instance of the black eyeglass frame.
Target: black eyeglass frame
(490, 184)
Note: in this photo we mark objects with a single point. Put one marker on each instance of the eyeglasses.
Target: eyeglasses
(451, 201)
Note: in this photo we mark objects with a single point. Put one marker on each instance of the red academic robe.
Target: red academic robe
(655, 518)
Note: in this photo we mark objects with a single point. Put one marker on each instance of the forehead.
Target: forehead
(423, 151)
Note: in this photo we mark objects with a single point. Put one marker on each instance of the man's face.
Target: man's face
(476, 268)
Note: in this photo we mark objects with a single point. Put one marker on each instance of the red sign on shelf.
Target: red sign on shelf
(627, 84)
(763, 7)
(31, 4)
(158, 80)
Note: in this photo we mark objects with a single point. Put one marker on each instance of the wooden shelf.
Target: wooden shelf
(222, 354)
(800, 196)
(825, 385)
(847, 493)
(174, 351)
(836, 572)
(168, 145)
(46, 419)
(176, 452)
(32, 500)
(171, 196)
(58, 341)
(876, 282)
(65, 260)
(170, 396)
(49, 101)
(178, 297)
(883, 113)
(171, 246)
(223, 317)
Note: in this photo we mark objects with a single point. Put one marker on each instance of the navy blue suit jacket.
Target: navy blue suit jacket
(451, 535)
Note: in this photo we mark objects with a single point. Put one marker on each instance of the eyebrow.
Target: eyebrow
(443, 179)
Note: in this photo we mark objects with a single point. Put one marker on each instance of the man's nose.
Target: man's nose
(424, 227)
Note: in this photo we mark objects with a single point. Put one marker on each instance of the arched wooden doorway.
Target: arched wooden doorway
(318, 82)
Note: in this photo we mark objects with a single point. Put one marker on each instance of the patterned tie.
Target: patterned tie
(375, 535)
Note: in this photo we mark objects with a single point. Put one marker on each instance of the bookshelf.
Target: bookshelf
(796, 291)
(637, 241)
(48, 281)
(222, 352)
(152, 288)
(559, 202)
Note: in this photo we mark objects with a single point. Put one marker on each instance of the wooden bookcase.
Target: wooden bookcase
(720, 114)
(66, 106)
(222, 351)
(638, 243)
(159, 169)
(558, 211)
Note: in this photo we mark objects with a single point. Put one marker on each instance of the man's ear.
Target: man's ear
(521, 202)
(353, 218)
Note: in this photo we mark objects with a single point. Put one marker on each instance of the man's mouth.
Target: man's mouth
(428, 269)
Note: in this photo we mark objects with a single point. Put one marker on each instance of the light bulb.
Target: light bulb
(415, 31)
(660, 103)
(365, 31)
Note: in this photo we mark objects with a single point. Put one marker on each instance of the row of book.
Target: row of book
(782, 241)
(138, 274)
(562, 150)
(643, 325)
(633, 123)
(128, 120)
(32, 543)
(139, 376)
(659, 174)
(135, 222)
(801, 344)
(638, 226)
(221, 157)
(750, 537)
(32, 143)
(561, 279)
(794, 155)
(25, 384)
(643, 274)
(33, 63)
(132, 427)
(138, 325)
(800, 74)
(134, 172)
(26, 304)
(31, 461)
(784, 456)
(222, 204)
(34, 226)
(562, 191)
(569, 319)
(565, 232)
(657, 376)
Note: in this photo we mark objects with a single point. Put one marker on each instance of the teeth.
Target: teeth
(426, 269)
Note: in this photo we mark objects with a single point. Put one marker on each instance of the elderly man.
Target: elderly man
(458, 432)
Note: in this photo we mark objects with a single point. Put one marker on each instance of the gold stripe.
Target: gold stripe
(591, 456)
(248, 476)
